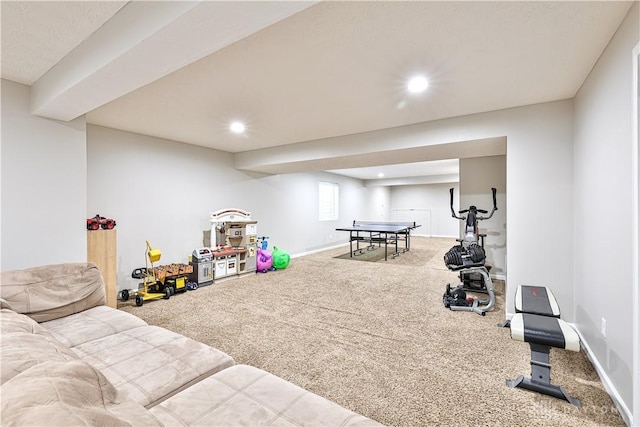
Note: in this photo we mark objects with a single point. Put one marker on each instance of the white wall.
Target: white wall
(477, 176)
(603, 210)
(163, 191)
(43, 209)
(433, 198)
(377, 204)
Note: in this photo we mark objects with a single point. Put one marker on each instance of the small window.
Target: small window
(328, 201)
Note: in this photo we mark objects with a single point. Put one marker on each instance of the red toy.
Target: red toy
(100, 221)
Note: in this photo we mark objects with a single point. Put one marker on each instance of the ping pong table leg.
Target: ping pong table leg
(396, 237)
(351, 244)
(386, 240)
(395, 254)
(357, 239)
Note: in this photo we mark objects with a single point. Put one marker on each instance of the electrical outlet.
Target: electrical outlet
(603, 327)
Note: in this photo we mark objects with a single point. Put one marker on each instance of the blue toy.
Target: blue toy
(264, 241)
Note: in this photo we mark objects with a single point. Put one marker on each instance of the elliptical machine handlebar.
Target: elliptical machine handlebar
(453, 212)
(495, 207)
(473, 208)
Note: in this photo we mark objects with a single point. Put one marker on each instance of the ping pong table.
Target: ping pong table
(373, 232)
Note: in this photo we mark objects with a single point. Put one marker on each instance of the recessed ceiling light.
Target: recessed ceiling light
(380, 175)
(237, 127)
(417, 84)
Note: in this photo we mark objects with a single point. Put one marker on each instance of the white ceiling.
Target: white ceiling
(37, 35)
(449, 167)
(296, 71)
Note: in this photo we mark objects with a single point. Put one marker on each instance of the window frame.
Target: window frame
(328, 201)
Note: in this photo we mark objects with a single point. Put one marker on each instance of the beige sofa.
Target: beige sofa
(68, 359)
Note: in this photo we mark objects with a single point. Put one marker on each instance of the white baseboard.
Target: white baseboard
(322, 249)
(433, 235)
(624, 411)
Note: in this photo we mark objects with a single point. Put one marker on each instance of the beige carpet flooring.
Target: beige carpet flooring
(376, 338)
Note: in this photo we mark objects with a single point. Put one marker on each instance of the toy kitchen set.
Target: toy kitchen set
(234, 245)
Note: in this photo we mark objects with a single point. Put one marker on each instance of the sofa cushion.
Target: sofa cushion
(20, 351)
(64, 394)
(244, 395)
(25, 343)
(12, 322)
(92, 324)
(151, 363)
(52, 291)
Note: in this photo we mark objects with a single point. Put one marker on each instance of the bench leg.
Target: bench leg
(540, 380)
(504, 324)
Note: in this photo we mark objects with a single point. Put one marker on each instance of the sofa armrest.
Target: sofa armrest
(52, 291)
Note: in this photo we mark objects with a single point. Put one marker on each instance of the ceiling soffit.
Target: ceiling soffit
(454, 150)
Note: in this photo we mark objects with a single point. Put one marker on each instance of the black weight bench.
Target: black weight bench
(536, 300)
(537, 322)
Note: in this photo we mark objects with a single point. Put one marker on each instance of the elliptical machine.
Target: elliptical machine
(468, 258)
